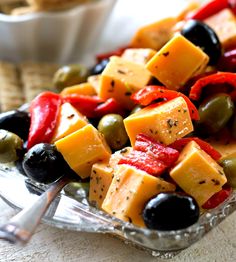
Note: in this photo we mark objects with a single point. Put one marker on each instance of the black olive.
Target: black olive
(17, 122)
(170, 211)
(98, 68)
(205, 37)
(44, 164)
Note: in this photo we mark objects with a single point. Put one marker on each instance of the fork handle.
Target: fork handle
(20, 228)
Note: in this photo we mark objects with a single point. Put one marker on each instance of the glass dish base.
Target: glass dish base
(75, 213)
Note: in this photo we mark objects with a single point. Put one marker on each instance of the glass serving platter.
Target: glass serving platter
(75, 213)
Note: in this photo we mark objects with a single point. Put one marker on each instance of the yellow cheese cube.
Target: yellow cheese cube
(129, 191)
(198, 174)
(165, 123)
(138, 55)
(82, 149)
(224, 24)
(81, 89)
(177, 62)
(121, 78)
(154, 35)
(94, 80)
(190, 6)
(70, 120)
(116, 157)
(100, 180)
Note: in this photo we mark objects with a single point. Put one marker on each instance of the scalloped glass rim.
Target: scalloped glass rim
(41, 14)
(77, 215)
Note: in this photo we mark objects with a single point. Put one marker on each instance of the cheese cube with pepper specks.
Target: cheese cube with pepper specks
(138, 55)
(165, 123)
(100, 180)
(197, 173)
(129, 191)
(177, 62)
(69, 121)
(82, 149)
(224, 24)
(154, 35)
(120, 79)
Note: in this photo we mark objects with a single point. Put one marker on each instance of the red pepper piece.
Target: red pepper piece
(149, 94)
(109, 107)
(44, 111)
(84, 104)
(210, 150)
(218, 198)
(220, 78)
(117, 52)
(209, 9)
(228, 61)
(165, 154)
(144, 162)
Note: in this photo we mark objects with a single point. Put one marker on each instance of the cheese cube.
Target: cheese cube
(100, 180)
(190, 6)
(154, 35)
(198, 174)
(224, 24)
(81, 89)
(82, 149)
(121, 78)
(69, 120)
(165, 123)
(177, 62)
(129, 191)
(138, 55)
(94, 80)
(116, 156)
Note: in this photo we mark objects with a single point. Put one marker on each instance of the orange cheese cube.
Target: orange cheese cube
(129, 191)
(177, 62)
(165, 123)
(82, 149)
(121, 78)
(198, 174)
(154, 35)
(81, 89)
(70, 120)
(94, 80)
(100, 180)
(138, 55)
(224, 24)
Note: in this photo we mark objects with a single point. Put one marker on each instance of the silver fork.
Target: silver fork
(20, 228)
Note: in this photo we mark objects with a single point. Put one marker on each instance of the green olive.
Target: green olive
(229, 166)
(77, 189)
(233, 131)
(10, 146)
(113, 129)
(215, 112)
(136, 109)
(70, 75)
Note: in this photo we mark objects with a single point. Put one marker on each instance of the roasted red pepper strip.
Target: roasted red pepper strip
(210, 150)
(44, 111)
(109, 107)
(209, 9)
(220, 78)
(149, 94)
(84, 104)
(165, 154)
(144, 162)
(117, 52)
(218, 198)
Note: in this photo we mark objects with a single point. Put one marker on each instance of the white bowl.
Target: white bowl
(60, 37)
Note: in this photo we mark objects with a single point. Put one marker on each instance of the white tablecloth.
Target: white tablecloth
(55, 245)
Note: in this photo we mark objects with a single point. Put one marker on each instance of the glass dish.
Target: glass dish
(75, 213)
